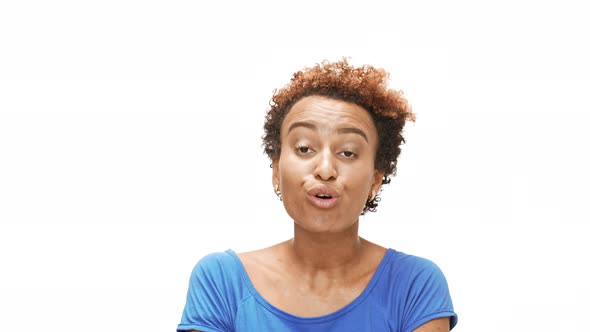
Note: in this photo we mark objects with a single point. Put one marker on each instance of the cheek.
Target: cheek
(288, 178)
(292, 168)
(362, 176)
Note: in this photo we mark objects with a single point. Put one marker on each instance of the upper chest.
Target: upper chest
(305, 295)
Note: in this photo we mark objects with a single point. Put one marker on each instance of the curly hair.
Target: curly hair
(365, 86)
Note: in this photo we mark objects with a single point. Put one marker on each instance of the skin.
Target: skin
(332, 144)
(327, 142)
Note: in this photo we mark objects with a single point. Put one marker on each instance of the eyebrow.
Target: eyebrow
(353, 131)
(302, 124)
(347, 130)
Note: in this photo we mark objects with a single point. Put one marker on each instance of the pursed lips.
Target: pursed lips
(323, 196)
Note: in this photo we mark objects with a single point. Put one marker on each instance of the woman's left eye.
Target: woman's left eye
(302, 149)
(348, 154)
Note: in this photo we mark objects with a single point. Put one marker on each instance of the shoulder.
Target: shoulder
(219, 274)
(217, 266)
(400, 264)
(409, 274)
(216, 288)
(215, 261)
(417, 287)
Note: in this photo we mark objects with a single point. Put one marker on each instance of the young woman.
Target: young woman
(333, 135)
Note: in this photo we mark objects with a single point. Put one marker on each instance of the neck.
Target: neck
(326, 251)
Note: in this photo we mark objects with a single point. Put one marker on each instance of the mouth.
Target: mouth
(322, 196)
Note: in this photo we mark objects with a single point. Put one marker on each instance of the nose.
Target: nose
(325, 168)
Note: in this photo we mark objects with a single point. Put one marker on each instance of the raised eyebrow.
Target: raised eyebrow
(347, 130)
(302, 124)
(353, 131)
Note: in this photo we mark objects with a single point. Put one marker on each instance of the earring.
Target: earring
(278, 192)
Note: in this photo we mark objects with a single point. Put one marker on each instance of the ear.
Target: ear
(276, 180)
(377, 181)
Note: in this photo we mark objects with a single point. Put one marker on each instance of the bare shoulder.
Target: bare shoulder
(263, 263)
(256, 254)
(260, 256)
(374, 252)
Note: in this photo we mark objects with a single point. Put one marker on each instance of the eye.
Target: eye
(348, 154)
(303, 149)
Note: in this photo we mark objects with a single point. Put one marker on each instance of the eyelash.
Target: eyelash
(299, 149)
(352, 154)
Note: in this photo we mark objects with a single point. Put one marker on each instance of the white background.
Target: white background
(130, 147)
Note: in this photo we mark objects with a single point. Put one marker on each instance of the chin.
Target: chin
(324, 223)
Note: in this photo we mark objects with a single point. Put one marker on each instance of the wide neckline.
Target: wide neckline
(316, 319)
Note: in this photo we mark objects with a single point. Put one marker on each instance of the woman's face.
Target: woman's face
(326, 169)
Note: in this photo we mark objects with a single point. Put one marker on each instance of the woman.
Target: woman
(333, 135)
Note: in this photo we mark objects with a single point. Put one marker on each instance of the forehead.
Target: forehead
(328, 113)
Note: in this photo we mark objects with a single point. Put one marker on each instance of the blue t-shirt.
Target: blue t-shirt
(405, 292)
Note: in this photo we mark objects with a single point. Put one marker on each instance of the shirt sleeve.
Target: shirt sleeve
(208, 301)
(428, 297)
